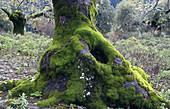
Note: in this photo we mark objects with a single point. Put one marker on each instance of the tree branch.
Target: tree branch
(149, 11)
(40, 14)
(166, 12)
(20, 4)
(7, 12)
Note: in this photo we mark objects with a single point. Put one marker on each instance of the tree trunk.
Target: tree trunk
(82, 68)
(19, 21)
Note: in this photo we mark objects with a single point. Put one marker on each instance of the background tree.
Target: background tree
(115, 2)
(21, 11)
(82, 68)
(125, 16)
(105, 17)
(158, 17)
(131, 14)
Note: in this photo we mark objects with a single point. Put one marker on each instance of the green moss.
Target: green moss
(117, 81)
(129, 77)
(108, 75)
(74, 92)
(39, 83)
(142, 82)
(156, 99)
(17, 82)
(126, 63)
(23, 87)
(93, 13)
(112, 94)
(126, 95)
(49, 102)
(140, 102)
(29, 86)
(1, 87)
(8, 84)
(10, 101)
(142, 73)
(97, 104)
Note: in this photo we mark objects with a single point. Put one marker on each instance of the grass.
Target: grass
(19, 55)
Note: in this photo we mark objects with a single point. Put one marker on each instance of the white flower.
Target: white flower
(81, 77)
(88, 93)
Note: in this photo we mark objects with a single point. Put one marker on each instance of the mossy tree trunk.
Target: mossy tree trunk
(82, 68)
(19, 21)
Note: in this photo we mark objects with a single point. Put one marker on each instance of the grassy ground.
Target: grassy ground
(19, 56)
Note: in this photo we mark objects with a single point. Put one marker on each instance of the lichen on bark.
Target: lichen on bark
(82, 68)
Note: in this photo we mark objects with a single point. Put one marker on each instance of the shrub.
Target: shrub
(5, 24)
(105, 17)
(124, 17)
(43, 26)
(162, 81)
(20, 103)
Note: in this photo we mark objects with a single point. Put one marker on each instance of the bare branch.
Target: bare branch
(166, 12)
(40, 14)
(7, 12)
(153, 8)
(20, 4)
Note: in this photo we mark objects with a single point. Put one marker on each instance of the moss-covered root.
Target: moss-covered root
(7, 85)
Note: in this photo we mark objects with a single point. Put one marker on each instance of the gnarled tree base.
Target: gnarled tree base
(96, 78)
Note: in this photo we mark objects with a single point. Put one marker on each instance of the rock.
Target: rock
(118, 61)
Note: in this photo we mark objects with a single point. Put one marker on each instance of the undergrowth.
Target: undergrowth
(28, 44)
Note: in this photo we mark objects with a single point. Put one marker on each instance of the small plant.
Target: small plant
(36, 94)
(162, 83)
(72, 106)
(163, 106)
(20, 103)
(3, 101)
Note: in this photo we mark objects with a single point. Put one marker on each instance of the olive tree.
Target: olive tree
(20, 11)
(82, 68)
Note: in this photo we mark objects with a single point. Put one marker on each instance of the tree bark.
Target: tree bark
(82, 68)
(19, 22)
